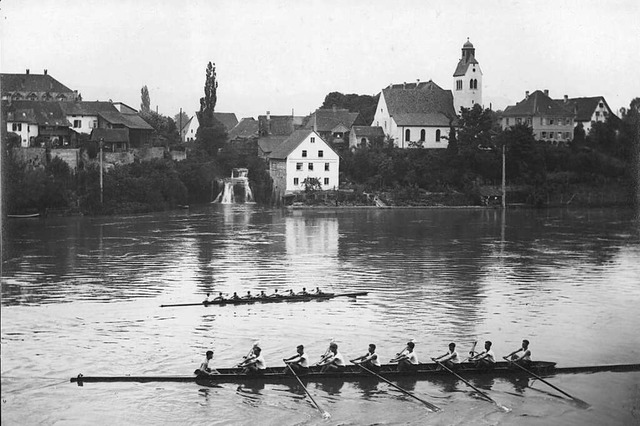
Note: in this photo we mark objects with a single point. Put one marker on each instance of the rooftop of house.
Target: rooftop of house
(246, 128)
(367, 131)
(326, 120)
(228, 119)
(279, 125)
(31, 83)
(283, 150)
(41, 113)
(585, 107)
(538, 104)
(110, 135)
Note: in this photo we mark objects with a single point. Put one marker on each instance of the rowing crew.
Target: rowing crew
(407, 359)
(262, 295)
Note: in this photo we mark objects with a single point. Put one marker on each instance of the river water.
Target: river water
(83, 295)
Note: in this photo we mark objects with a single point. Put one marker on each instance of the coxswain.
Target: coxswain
(369, 360)
(451, 359)
(205, 369)
(254, 364)
(485, 359)
(219, 298)
(298, 362)
(523, 359)
(334, 361)
(407, 359)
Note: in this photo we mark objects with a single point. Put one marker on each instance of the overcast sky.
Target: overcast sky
(285, 55)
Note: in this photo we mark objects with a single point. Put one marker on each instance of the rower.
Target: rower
(450, 359)
(407, 359)
(525, 358)
(369, 360)
(303, 292)
(298, 362)
(485, 359)
(263, 295)
(334, 361)
(318, 291)
(205, 301)
(275, 294)
(235, 296)
(219, 298)
(254, 364)
(205, 369)
(291, 293)
(248, 295)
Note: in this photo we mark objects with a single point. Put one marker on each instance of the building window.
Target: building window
(17, 127)
(320, 154)
(77, 124)
(544, 135)
(407, 135)
(601, 105)
(551, 135)
(326, 167)
(597, 114)
(298, 166)
(551, 121)
(95, 124)
(310, 166)
(326, 181)
(304, 152)
(295, 181)
(438, 135)
(423, 135)
(542, 121)
(471, 84)
(313, 139)
(507, 121)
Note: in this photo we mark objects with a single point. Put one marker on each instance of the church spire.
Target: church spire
(468, 51)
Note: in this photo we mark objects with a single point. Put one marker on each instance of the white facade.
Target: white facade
(467, 88)
(425, 136)
(26, 131)
(600, 114)
(83, 123)
(190, 129)
(312, 158)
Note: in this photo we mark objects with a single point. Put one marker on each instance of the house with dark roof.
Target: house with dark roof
(114, 140)
(332, 124)
(303, 155)
(551, 121)
(190, 128)
(363, 136)
(416, 114)
(246, 129)
(34, 87)
(588, 110)
(38, 123)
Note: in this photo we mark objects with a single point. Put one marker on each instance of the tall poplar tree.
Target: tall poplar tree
(208, 102)
(145, 106)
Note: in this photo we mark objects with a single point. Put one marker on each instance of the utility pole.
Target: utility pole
(101, 143)
(180, 129)
(504, 179)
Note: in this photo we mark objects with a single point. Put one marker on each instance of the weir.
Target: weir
(239, 181)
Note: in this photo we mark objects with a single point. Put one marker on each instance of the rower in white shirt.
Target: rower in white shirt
(485, 359)
(255, 363)
(334, 361)
(298, 362)
(407, 359)
(450, 359)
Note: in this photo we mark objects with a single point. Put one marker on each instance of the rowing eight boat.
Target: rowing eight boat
(354, 373)
(296, 298)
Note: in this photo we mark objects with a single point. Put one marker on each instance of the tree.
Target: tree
(208, 102)
(477, 126)
(181, 119)
(363, 104)
(145, 106)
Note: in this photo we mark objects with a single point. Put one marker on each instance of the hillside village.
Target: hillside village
(46, 119)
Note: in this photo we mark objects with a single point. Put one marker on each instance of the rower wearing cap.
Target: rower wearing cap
(334, 361)
(255, 363)
(450, 359)
(298, 362)
(369, 360)
(407, 359)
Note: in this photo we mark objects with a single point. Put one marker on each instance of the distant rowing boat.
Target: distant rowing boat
(354, 373)
(23, 216)
(296, 298)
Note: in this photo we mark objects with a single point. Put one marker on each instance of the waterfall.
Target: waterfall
(239, 179)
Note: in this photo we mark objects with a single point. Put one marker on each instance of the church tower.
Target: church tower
(467, 79)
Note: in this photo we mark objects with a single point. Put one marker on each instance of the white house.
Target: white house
(588, 110)
(416, 114)
(304, 154)
(190, 129)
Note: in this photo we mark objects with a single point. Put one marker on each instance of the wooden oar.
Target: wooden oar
(487, 397)
(406, 392)
(325, 414)
(578, 400)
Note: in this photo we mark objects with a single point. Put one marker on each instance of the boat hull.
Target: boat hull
(297, 298)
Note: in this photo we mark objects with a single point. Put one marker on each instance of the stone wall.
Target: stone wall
(69, 156)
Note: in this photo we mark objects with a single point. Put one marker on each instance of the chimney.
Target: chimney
(546, 92)
(45, 71)
(75, 92)
(417, 82)
(566, 99)
(268, 115)
(27, 71)
(526, 95)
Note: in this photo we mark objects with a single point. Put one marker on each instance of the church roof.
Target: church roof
(428, 105)
(463, 66)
